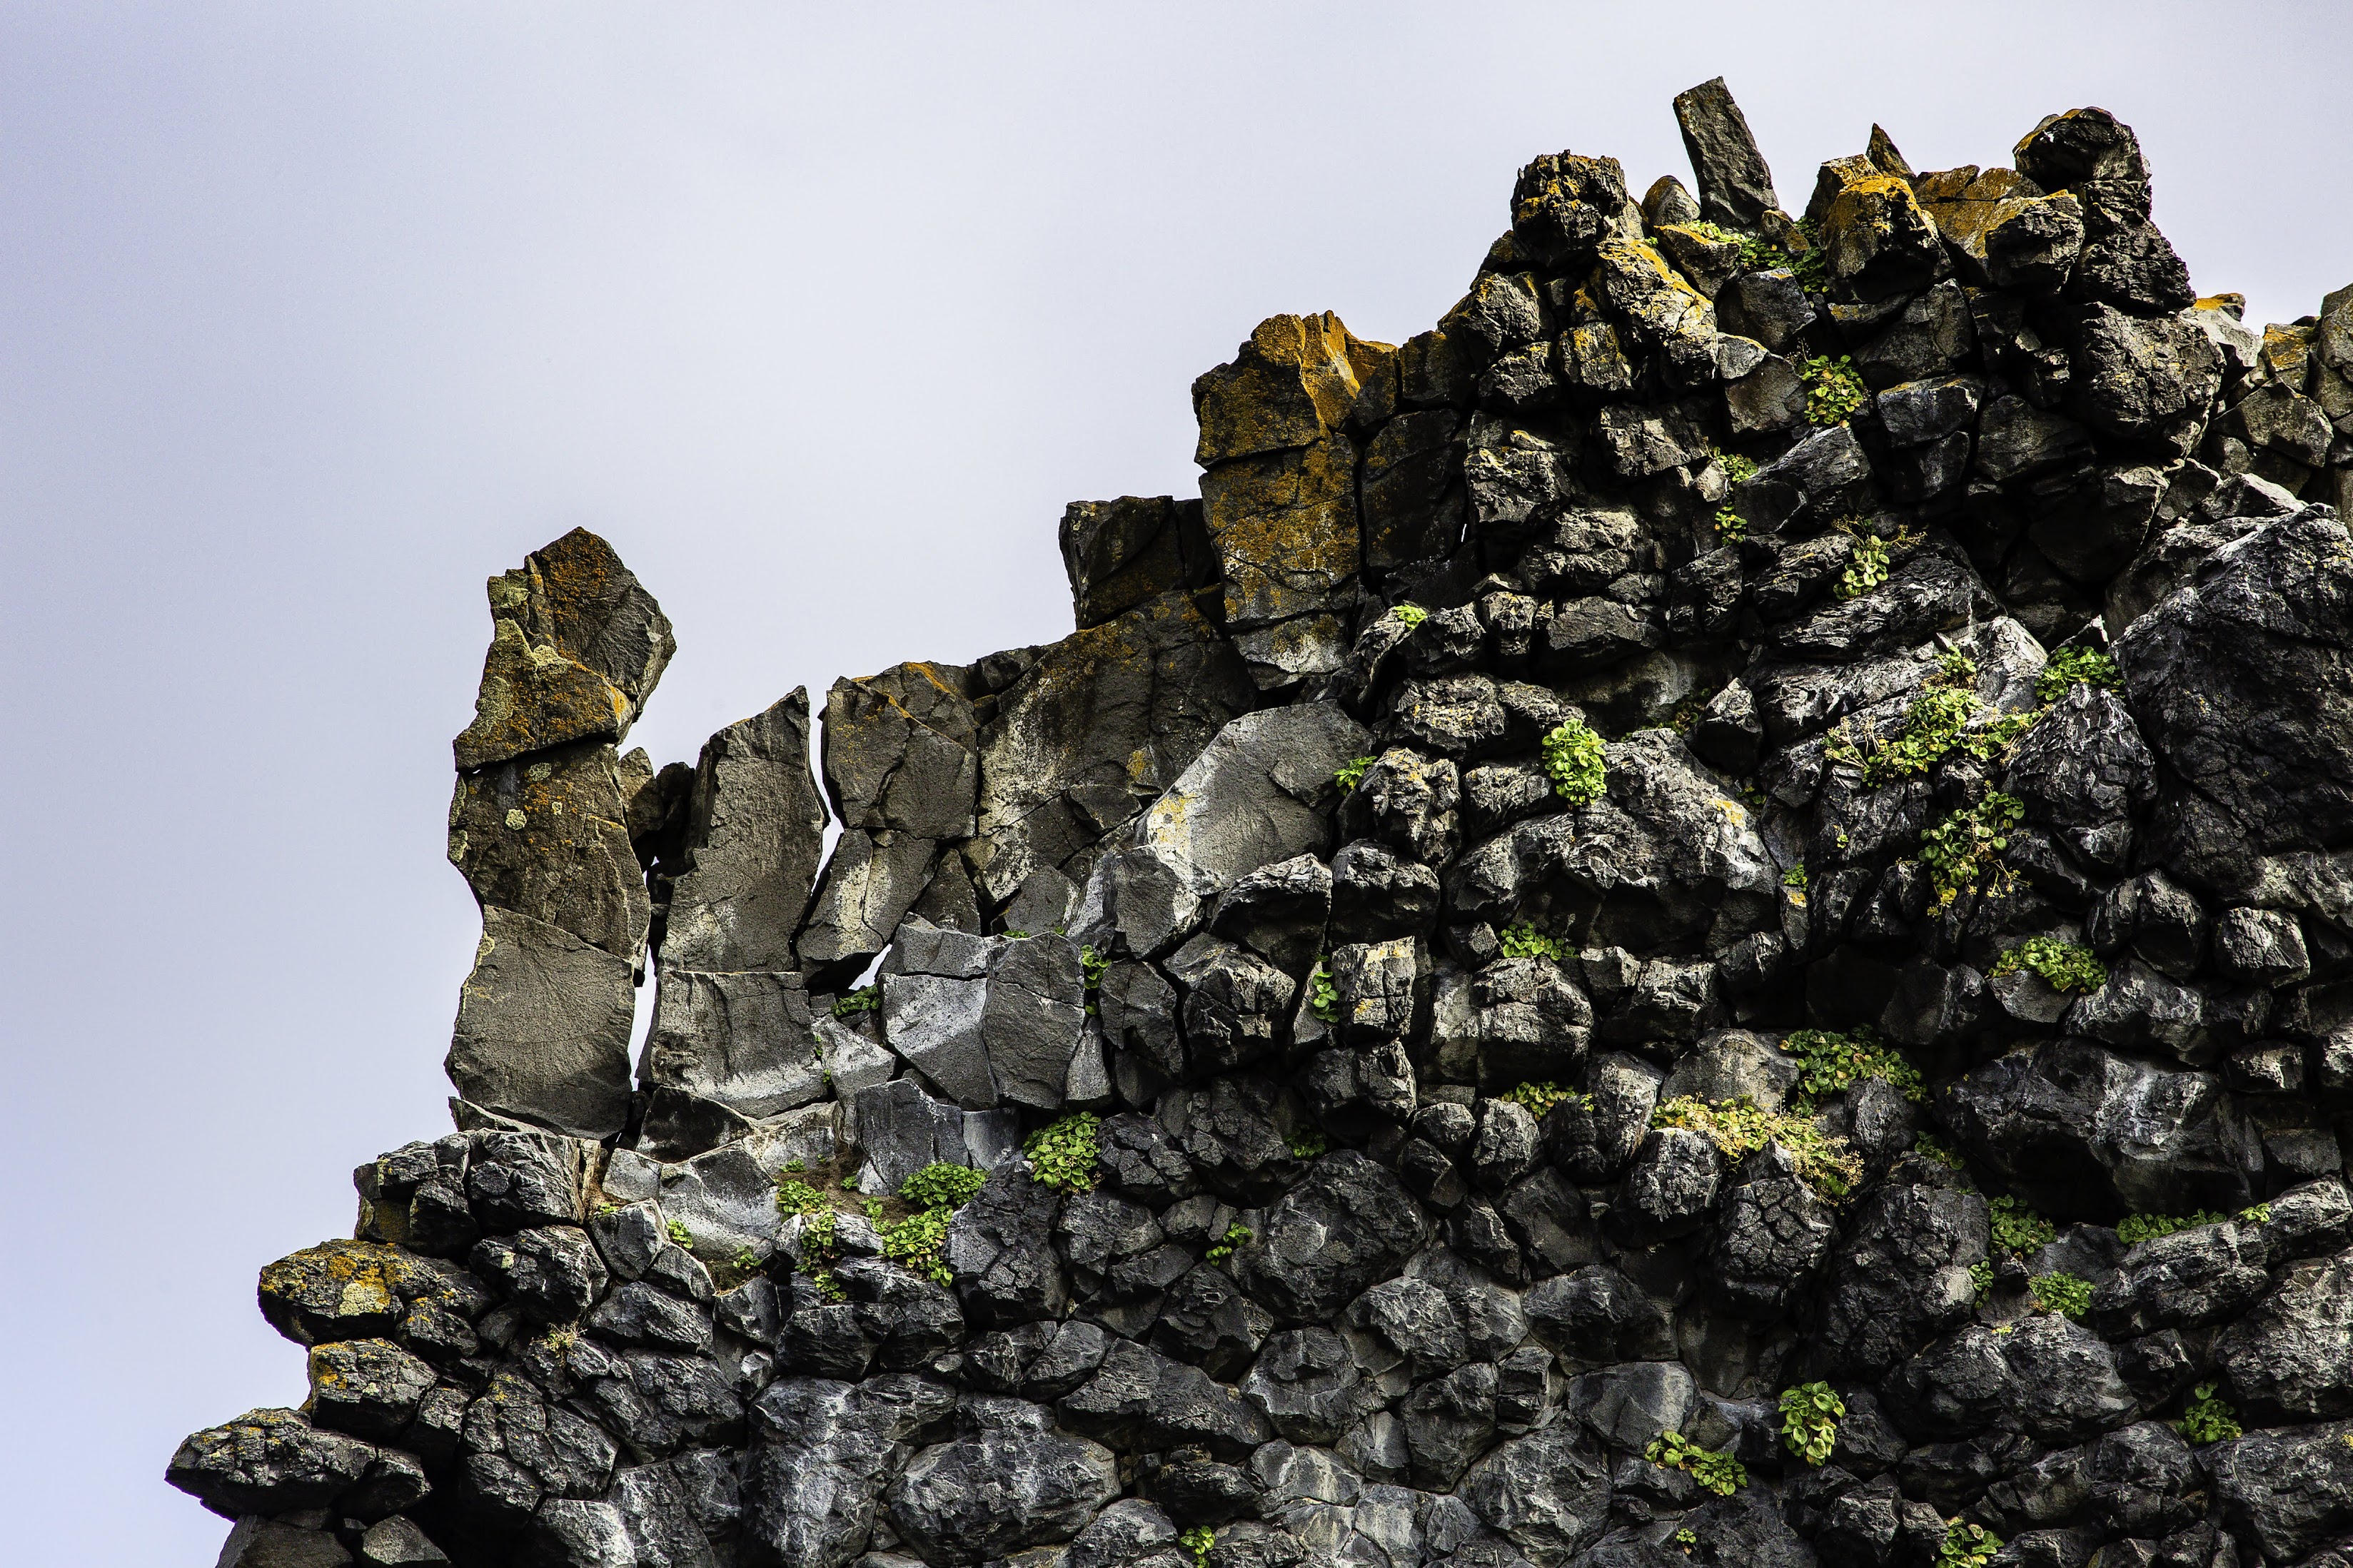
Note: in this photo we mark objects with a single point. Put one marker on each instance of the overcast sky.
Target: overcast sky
(314, 315)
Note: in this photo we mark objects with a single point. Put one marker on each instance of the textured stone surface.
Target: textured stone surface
(1602, 873)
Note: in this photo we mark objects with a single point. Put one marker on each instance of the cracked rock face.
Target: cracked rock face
(1705, 915)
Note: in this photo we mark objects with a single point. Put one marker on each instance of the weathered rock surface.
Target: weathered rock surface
(1761, 814)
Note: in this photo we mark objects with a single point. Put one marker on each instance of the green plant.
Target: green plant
(1351, 774)
(1866, 571)
(2068, 1295)
(873, 1207)
(1539, 1097)
(796, 1165)
(1236, 1234)
(1736, 467)
(1961, 850)
(1955, 669)
(1740, 1127)
(828, 1285)
(1830, 1063)
(1323, 996)
(1795, 877)
(606, 1208)
(1718, 1472)
(1572, 760)
(865, 999)
(1730, 524)
(1686, 1540)
(1812, 264)
(2256, 1214)
(1307, 1142)
(2135, 1228)
(2091, 666)
(1411, 614)
(1943, 720)
(2017, 1228)
(916, 1244)
(1062, 1153)
(1524, 941)
(1967, 1546)
(820, 1241)
(1010, 934)
(1929, 1148)
(1833, 390)
(745, 1261)
(1198, 1541)
(677, 1232)
(2206, 1419)
(942, 1186)
(2063, 965)
(1092, 967)
(1981, 1279)
(1809, 1419)
(797, 1197)
(849, 1183)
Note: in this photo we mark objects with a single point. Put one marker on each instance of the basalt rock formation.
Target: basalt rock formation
(1704, 914)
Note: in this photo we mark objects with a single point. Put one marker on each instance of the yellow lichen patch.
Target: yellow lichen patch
(1292, 383)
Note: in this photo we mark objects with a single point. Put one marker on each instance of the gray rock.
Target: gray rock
(1344, 1226)
(542, 1031)
(1279, 910)
(821, 1453)
(1547, 1493)
(1125, 553)
(267, 1543)
(2291, 1358)
(554, 1272)
(1307, 1384)
(397, 1543)
(273, 1462)
(544, 836)
(998, 1491)
(2188, 1280)
(745, 1040)
(1736, 188)
(2260, 947)
(1899, 1277)
(2284, 1492)
(752, 836)
(367, 1388)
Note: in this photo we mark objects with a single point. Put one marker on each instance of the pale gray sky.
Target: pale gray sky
(314, 316)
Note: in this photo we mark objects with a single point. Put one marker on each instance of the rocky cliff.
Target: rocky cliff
(1706, 914)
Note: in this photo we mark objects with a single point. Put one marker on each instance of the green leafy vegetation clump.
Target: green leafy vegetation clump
(2063, 965)
(1929, 1148)
(1717, 1472)
(1411, 614)
(2068, 1295)
(1198, 1541)
(865, 999)
(1307, 1144)
(1736, 467)
(940, 1186)
(1740, 1127)
(2134, 1229)
(1322, 995)
(1236, 1235)
(1572, 760)
(797, 1197)
(2017, 1228)
(1092, 967)
(2206, 1419)
(1537, 1099)
(1809, 1419)
(1981, 1279)
(1829, 1063)
(1943, 719)
(1961, 850)
(1967, 1546)
(1729, 524)
(916, 1243)
(1062, 1153)
(1795, 877)
(1524, 941)
(1834, 393)
(1351, 774)
(677, 1232)
(1867, 570)
(2090, 666)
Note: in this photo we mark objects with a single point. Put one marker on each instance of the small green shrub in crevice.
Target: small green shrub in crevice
(1736, 467)
(1716, 1472)
(2063, 965)
(865, 999)
(1730, 525)
(1572, 760)
(1411, 614)
(1929, 1148)
(797, 1197)
(1307, 1142)
(2067, 1295)
(1537, 1099)
(1809, 1419)
(1092, 967)
(1967, 1546)
(1943, 720)
(1687, 1538)
(1866, 571)
(2256, 1214)
(2206, 1419)
(2135, 1228)
(1198, 1541)
(679, 1234)
(916, 1243)
(1322, 995)
(1351, 774)
(2070, 666)
(1524, 941)
(1795, 877)
(1740, 1127)
(1062, 1153)
(1834, 391)
(1955, 670)
(942, 1186)
(1830, 1063)
(1236, 1235)
(1962, 850)
(2017, 1228)
(1980, 1279)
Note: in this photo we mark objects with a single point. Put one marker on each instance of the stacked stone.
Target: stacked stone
(1705, 914)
